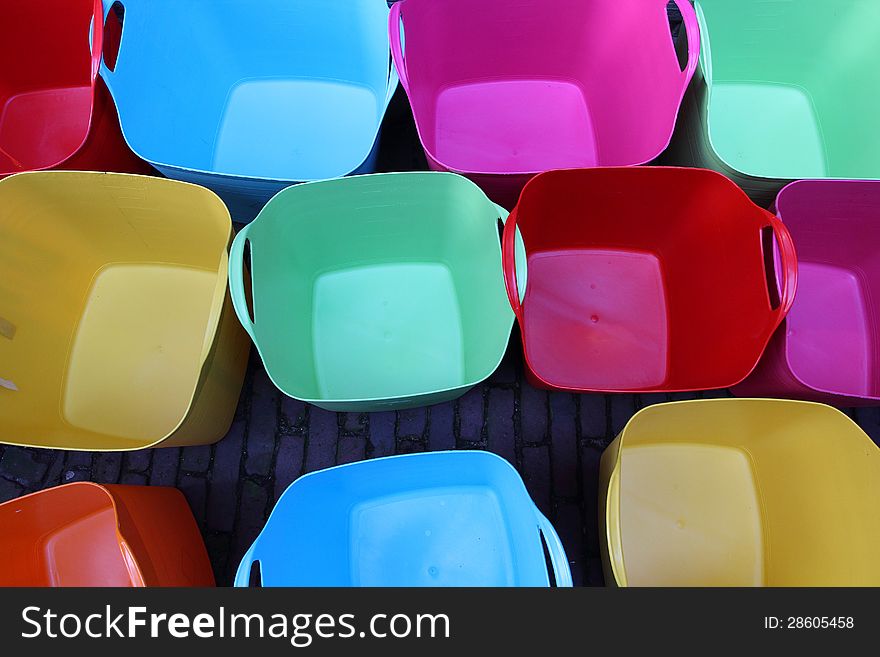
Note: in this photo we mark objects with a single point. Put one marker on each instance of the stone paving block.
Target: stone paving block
(590, 458)
(536, 475)
(56, 470)
(196, 458)
(138, 461)
(218, 546)
(25, 466)
(166, 465)
(351, 449)
(534, 418)
(412, 422)
(195, 489)
(9, 490)
(133, 479)
(69, 476)
(594, 575)
(262, 425)
(470, 415)
(564, 446)
(108, 467)
(570, 527)
(293, 414)
(593, 412)
(623, 407)
(407, 446)
(381, 439)
(441, 433)
(289, 462)
(652, 398)
(501, 430)
(222, 492)
(251, 518)
(716, 394)
(354, 422)
(323, 433)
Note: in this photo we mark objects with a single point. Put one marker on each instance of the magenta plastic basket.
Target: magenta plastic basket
(828, 349)
(503, 90)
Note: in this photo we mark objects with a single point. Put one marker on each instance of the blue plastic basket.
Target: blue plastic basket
(248, 98)
(434, 519)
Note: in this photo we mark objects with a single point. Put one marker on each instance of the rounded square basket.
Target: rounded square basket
(116, 327)
(740, 492)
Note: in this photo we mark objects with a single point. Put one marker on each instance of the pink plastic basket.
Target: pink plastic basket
(503, 90)
(828, 349)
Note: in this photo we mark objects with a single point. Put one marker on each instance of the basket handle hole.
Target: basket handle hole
(678, 35)
(769, 250)
(249, 272)
(256, 576)
(548, 562)
(113, 34)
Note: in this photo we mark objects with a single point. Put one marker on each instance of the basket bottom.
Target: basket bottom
(443, 537)
(387, 331)
(784, 140)
(514, 126)
(85, 552)
(42, 128)
(597, 318)
(830, 342)
(135, 358)
(690, 516)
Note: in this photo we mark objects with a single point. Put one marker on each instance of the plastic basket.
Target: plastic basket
(786, 91)
(501, 91)
(828, 349)
(83, 534)
(645, 279)
(375, 292)
(116, 329)
(433, 519)
(247, 99)
(741, 492)
(54, 111)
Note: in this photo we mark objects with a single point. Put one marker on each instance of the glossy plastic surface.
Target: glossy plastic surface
(375, 292)
(503, 90)
(53, 111)
(248, 99)
(83, 534)
(644, 279)
(118, 329)
(787, 90)
(741, 492)
(434, 519)
(828, 349)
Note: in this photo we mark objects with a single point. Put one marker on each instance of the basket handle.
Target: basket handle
(243, 574)
(788, 266)
(236, 281)
(508, 260)
(561, 571)
(692, 29)
(96, 37)
(394, 25)
(106, 73)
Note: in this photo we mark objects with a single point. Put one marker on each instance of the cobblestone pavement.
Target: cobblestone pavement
(554, 439)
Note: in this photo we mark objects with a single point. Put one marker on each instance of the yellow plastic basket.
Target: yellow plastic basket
(116, 329)
(741, 492)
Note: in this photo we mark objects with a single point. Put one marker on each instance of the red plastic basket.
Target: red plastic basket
(645, 279)
(54, 110)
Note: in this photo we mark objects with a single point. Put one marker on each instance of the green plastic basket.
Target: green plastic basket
(787, 90)
(376, 292)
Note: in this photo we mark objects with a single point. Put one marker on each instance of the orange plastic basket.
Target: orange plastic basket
(84, 534)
